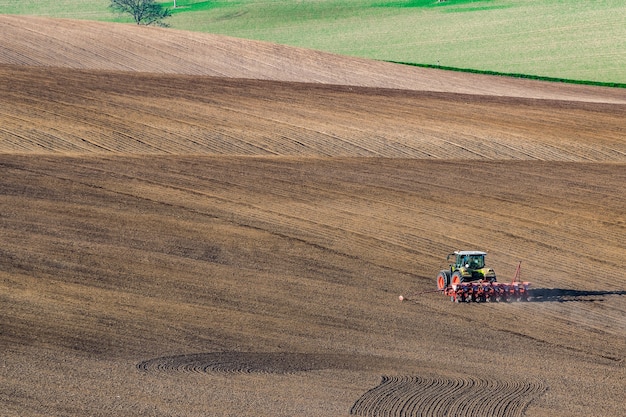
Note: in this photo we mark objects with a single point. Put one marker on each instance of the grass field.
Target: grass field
(573, 39)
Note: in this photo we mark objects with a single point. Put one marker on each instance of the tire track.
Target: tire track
(249, 362)
(404, 396)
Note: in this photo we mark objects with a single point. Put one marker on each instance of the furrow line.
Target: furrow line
(462, 397)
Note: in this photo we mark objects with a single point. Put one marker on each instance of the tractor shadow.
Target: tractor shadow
(563, 295)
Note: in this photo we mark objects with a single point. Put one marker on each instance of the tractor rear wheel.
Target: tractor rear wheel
(443, 280)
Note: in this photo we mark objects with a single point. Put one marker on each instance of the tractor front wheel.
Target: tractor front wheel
(457, 277)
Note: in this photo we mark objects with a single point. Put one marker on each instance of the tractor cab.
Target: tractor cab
(467, 259)
(468, 265)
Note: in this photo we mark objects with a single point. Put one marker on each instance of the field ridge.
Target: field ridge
(51, 42)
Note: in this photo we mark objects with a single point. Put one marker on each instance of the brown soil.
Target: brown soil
(177, 243)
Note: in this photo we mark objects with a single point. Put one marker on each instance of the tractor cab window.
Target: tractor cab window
(475, 261)
(471, 261)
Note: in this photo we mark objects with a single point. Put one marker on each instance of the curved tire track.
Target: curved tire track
(249, 362)
(404, 396)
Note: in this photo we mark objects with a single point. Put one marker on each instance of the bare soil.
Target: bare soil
(186, 244)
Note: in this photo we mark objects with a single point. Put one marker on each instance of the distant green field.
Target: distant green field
(572, 39)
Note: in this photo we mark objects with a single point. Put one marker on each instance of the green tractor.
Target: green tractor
(465, 266)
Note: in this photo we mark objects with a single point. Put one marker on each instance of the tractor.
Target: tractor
(465, 266)
(468, 279)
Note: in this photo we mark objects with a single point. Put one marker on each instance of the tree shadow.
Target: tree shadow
(562, 295)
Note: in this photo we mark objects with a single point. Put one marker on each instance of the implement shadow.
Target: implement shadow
(562, 295)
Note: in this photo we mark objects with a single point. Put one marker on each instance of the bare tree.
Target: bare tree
(144, 12)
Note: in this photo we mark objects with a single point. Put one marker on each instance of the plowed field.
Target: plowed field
(233, 243)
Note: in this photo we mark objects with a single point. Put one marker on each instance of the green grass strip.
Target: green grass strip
(516, 75)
